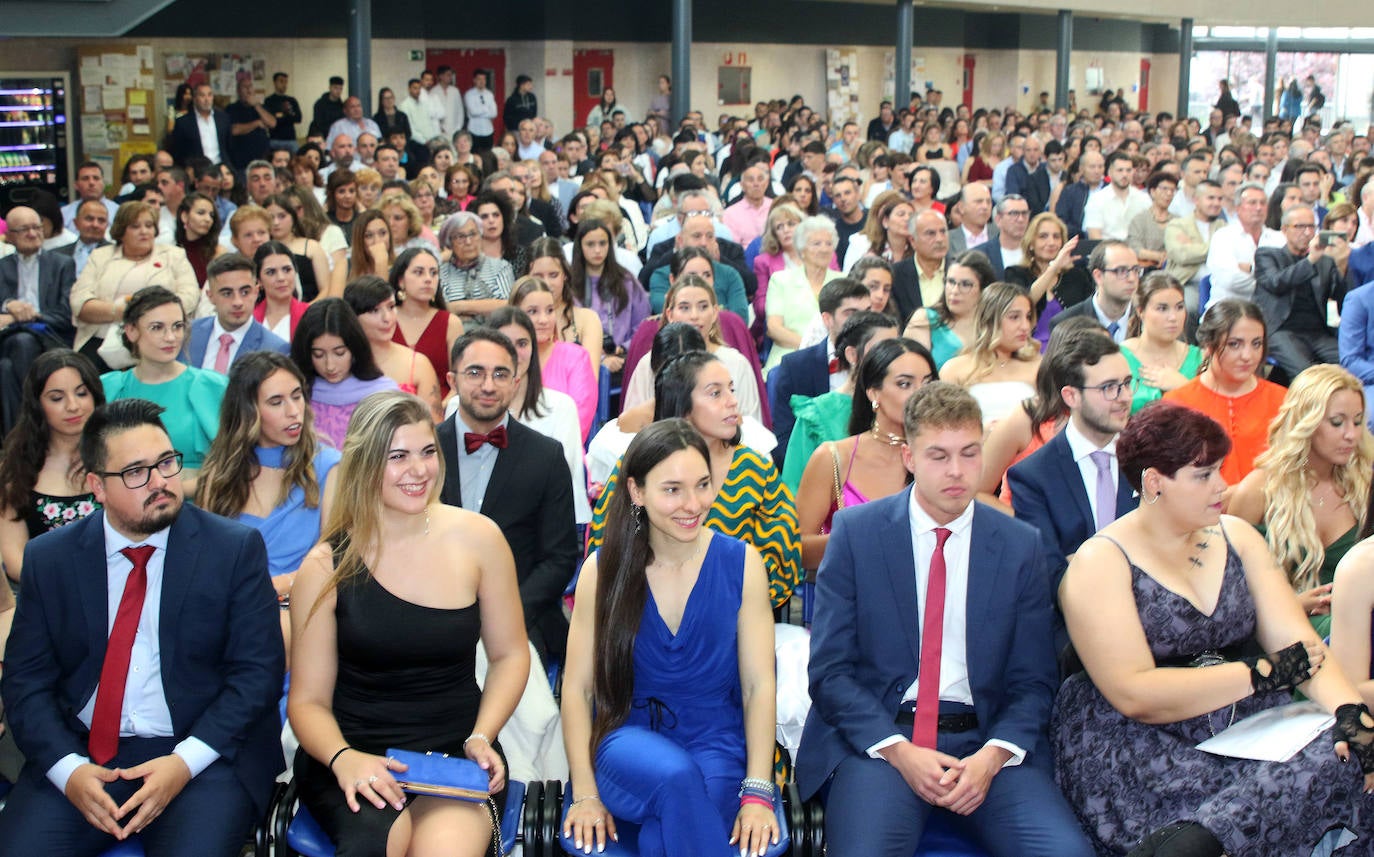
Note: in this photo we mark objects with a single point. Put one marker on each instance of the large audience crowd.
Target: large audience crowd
(1052, 427)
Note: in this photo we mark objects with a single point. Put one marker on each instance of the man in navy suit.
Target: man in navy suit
(812, 371)
(144, 666)
(932, 670)
(203, 132)
(35, 307)
(1071, 487)
(1028, 177)
(216, 343)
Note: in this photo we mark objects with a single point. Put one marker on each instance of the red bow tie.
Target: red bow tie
(472, 441)
(834, 365)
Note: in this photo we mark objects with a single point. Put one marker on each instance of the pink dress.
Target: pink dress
(568, 369)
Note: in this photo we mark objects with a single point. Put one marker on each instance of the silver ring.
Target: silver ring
(599, 819)
(371, 780)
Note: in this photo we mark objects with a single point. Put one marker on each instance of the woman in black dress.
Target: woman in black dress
(392, 603)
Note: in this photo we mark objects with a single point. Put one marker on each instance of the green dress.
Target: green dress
(191, 400)
(819, 419)
(1335, 552)
(1144, 393)
(944, 342)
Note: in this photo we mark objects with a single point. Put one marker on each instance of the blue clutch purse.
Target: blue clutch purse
(441, 775)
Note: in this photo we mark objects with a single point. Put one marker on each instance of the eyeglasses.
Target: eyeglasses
(140, 474)
(476, 375)
(22, 229)
(1112, 390)
(1125, 271)
(962, 285)
(466, 236)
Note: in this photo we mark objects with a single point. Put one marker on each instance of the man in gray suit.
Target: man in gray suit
(92, 223)
(35, 306)
(976, 232)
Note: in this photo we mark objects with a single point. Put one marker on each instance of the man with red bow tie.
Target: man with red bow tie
(513, 475)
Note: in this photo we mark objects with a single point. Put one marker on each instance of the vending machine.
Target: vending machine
(35, 134)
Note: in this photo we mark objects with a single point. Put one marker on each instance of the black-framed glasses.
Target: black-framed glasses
(140, 474)
(1124, 271)
(1112, 390)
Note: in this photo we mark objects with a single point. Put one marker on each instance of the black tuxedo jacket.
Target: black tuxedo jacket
(219, 642)
(529, 497)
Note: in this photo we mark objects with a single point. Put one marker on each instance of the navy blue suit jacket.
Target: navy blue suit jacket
(804, 372)
(258, 338)
(1361, 265)
(185, 139)
(866, 639)
(219, 642)
(1047, 492)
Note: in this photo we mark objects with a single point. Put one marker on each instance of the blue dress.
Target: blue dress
(671, 774)
(291, 529)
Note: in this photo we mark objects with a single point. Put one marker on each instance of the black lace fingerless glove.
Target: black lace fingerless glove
(1281, 670)
(1355, 726)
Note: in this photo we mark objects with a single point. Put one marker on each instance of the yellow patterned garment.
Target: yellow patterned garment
(754, 506)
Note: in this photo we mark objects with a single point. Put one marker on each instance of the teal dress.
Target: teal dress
(819, 419)
(191, 400)
(944, 342)
(1335, 552)
(1144, 393)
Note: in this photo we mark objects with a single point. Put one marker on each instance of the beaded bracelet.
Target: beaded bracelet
(750, 783)
(476, 735)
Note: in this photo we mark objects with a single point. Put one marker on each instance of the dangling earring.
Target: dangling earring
(637, 513)
(400, 296)
(1151, 502)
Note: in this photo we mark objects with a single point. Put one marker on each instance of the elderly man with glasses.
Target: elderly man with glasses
(1294, 288)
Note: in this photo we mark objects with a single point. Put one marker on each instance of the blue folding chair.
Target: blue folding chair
(299, 835)
(1204, 293)
(629, 834)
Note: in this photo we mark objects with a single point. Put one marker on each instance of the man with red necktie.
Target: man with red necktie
(932, 668)
(144, 667)
(514, 475)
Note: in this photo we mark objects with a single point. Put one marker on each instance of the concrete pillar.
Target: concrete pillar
(1063, 52)
(901, 91)
(360, 52)
(1185, 65)
(681, 102)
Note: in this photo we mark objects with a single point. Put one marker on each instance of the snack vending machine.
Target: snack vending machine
(35, 134)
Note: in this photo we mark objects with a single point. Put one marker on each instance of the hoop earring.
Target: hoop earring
(1157, 495)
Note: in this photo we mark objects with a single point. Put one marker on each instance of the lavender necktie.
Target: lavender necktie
(1106, 491)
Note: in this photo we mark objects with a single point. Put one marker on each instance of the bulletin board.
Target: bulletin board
(118, 116)
(841, 86)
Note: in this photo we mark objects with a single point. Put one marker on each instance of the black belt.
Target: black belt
(945, 723)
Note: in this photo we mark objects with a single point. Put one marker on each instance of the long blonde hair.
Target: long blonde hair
(354, 528)
(1291, 527)
(994, 303)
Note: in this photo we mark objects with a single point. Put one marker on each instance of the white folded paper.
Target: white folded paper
(1273, 735)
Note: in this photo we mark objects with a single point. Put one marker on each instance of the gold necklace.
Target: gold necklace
(887, 437)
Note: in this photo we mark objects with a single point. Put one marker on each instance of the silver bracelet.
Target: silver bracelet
(476, 735)
(592, 796)
(757, 783)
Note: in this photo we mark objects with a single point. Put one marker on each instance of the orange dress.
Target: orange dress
(1245, 418)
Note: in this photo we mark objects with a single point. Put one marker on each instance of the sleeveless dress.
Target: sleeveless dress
(944, 342)
(47, 512)
(1125, 778)
(1144, 393)
(433, 345)
(1335, 552)
(849, 495)
(687, 685)
(305, 272)
(415, 690)
(997, 399)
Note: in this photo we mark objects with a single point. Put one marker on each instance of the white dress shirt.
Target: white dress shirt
(481, 106)
(1121, 323)
(1111, 213)
(212, 346)
(450, 101)
(954, 682)
(1082, 449)
(209, 136)
(28, 280)
(1231, 247)
(145, 713)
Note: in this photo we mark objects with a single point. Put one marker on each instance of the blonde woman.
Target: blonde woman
(999, 366)
(777, 250)
(369, 183)
(1047, 270)
(1309, 491)
(408, 228)
(393, 557)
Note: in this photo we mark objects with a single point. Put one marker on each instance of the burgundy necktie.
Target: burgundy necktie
(927, 720)
(472, 441)
(109, 699)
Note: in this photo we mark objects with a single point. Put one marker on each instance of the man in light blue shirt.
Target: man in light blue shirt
(1015, 148)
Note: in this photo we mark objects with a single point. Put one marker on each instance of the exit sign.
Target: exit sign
(417, 56)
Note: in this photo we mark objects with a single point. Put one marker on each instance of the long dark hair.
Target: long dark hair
(226, 478)
(552, 248)
(674, 383)
(622, 588)
(333, 317)
(613, 287)
(534, 383)
(26, 446)
(1048, 403)
(503, 205)
(205, 245)
(873, 371)
(398, 270)
(672, 339)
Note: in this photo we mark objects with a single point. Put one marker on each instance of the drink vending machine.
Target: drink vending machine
(35, 135)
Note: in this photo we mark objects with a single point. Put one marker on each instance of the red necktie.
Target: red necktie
(932, 643)
(472, 441)
(109, 699)
(226, 341)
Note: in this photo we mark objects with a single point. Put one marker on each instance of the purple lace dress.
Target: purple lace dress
(1125, 778)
